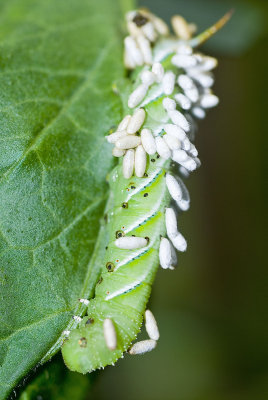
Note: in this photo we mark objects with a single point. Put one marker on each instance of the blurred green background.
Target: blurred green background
(212, 310)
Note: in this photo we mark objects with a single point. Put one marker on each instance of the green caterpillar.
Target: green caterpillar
(172, 85)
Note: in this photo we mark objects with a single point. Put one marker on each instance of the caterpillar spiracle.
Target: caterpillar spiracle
(154, 143)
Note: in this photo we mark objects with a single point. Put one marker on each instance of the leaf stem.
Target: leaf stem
(208, 33)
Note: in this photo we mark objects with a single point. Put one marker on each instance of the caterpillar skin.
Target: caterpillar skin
(136, 207)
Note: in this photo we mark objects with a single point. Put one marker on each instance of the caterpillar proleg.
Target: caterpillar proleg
(154, 144)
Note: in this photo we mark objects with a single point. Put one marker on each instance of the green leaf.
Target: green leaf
(58, 60)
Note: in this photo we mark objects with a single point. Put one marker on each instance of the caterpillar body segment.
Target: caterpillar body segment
(172, 87)
(124, 288)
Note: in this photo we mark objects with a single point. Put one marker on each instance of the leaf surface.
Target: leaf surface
(58, 60)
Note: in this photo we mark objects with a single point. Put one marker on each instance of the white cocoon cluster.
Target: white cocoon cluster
(133, 51)
(128, 142)
(185, 82)
(184, 203)
(179, 119)
(145, 49)
(184, 172)
(149, 32)
(128, 163)
(169, 104)
(192, 94)
(186, 144)
(204, 79)
(167, 255)
(184, 61)
(109, 334)
(162, 148)
(193, 150)
(137, 95)
(113, 137)
(207, 63)
(151, 325)
(179, 242)
(183, 101)
(176, 237)
(140, 161)
(174, 187)
(189, 164)
(131, 242)
(181, 27)
(158, 70)
(175, 130)
(143, 346)
(128, 60)
(136, 121)
(148, 141)
(132, 28)
(209, 100)
(179, 156)
(148, 77)
(160, 26)
(168, 82)
(118, 152)
(171, 222)
(184, 48)
(172, 142)
(124, 123)
(198, 112)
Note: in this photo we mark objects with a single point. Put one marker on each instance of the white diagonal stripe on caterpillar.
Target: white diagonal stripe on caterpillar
(131, 242)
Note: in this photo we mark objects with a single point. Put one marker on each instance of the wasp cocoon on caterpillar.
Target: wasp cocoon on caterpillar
(172, 86)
